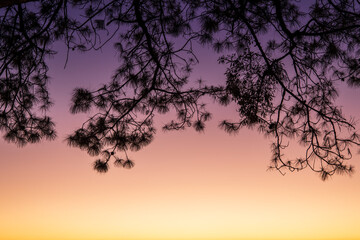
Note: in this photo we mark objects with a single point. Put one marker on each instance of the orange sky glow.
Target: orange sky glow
(185, 185)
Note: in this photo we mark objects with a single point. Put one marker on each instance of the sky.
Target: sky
(185, 185)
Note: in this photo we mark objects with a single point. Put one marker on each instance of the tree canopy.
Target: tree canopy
(283, 60)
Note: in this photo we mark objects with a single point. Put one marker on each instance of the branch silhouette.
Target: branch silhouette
(282, 61)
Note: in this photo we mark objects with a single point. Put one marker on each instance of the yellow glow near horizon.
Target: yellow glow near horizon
(174, 198)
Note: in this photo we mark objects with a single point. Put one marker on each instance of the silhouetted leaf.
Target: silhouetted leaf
(101, 166)
(128, 164)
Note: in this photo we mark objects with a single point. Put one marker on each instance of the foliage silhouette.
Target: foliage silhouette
(284, 60)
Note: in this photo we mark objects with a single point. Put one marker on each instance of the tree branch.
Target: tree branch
(9, 3)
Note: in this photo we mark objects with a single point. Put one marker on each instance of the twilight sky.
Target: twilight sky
(185, 185)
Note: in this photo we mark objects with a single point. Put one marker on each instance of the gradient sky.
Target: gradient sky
(185, 185)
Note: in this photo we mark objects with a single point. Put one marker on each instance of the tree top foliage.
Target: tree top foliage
(283, 59)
